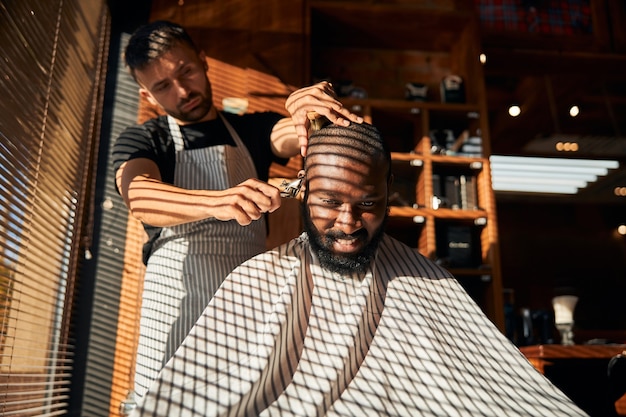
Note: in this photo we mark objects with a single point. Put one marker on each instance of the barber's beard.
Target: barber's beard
(197, 113)
(342, 263)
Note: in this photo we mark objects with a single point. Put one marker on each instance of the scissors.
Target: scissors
(290, 189)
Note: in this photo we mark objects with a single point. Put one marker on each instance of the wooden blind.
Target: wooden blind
(51, 59)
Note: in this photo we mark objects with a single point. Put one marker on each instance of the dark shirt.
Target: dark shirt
(152, 140)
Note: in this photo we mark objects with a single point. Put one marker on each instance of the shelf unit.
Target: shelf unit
(378, 48)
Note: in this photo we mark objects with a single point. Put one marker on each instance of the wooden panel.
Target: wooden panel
(385, 26)
(127, 334)
(267, 15)
(266, 36)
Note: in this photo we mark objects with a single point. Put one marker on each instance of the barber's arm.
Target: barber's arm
(289, 135)
(160, 204)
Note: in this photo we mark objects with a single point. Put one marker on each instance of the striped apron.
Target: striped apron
(191, 260)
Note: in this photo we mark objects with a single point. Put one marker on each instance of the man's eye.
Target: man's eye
(160, 87)
(329, 202)
(368, 204)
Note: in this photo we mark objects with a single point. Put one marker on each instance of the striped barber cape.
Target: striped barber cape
(284, 337)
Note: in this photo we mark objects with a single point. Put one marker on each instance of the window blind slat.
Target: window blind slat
(50, 80)
(35, 411)
(61, 363)
(37, 395)
(49, 352)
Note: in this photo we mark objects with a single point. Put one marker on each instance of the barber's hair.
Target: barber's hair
(360, 141)
(152, 40)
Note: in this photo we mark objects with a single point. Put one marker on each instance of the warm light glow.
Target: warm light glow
(419, 219)
(515, 110)
(573, 111)
(621, 229)
(546, 175)
(566, 146)
(482, 58)
(620, 191)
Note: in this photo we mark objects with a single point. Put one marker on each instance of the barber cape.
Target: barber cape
(282, 336)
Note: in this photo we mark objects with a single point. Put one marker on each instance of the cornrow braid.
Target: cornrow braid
(360, 141)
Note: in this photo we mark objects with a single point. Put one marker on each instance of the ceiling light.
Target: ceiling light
(573, 111)
(515, 110)
(546, 175)
(566, 146)
(620, 191)
(593, 146)
(482, 58)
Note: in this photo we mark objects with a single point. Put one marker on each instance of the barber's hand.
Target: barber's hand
(319, 98)
(246, 202)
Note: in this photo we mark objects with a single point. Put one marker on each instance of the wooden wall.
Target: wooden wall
(266, 35)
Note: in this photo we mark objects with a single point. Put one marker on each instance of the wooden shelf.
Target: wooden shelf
(442, 213)
(409, 106)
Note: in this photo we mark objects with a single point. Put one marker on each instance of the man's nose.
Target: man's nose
(181, 89)
(348, 219)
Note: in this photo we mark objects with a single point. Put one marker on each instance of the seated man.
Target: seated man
(345, 320)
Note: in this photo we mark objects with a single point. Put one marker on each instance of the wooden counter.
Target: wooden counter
(579, 371)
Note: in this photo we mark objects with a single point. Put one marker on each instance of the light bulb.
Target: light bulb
(515, 110)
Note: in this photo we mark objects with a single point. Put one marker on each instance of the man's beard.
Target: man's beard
(344, 263)
(196, 114)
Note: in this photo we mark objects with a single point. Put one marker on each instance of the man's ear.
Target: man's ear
(144, 93)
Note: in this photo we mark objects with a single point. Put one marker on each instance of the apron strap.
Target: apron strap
(177, 134)
(240, 145)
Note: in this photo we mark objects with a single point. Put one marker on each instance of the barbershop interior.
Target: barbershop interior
(504, 119)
